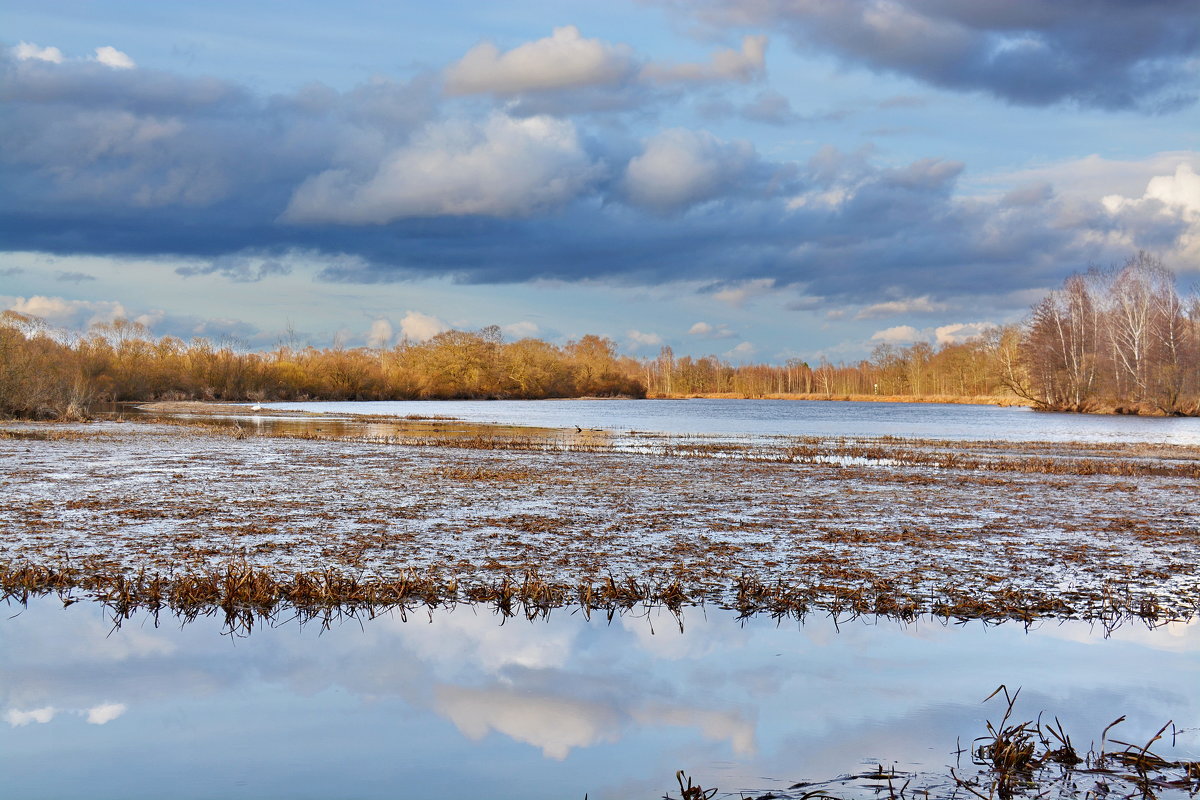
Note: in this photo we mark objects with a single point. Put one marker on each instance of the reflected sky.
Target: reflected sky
(456, 704)
(792, 418)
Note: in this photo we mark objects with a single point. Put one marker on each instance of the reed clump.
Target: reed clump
(1018, 758)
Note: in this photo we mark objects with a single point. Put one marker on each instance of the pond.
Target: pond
(756, 418)
(463, 703)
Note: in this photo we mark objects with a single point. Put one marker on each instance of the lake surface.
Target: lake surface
(455, 704)
(757, 418)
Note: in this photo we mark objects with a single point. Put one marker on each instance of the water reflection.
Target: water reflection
(752, 418)
(452, 703)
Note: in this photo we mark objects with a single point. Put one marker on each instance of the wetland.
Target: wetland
(768, 605)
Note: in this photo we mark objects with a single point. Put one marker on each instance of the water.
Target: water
(756, 418)
(456, 704)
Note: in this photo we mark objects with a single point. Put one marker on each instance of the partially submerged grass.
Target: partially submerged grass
(247, 595)
(1017, 759)
(526, 529)
(1028, 759)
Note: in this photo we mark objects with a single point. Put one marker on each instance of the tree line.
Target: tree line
(1121, 340)
(45, 373)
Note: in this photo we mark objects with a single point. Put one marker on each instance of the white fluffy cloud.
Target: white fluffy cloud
(553, 724)
(679, 168)
(520, 330)
(104, 713)
(743, 350)
(565, 59)
(107, 55)
(909, 305)
(953, 333)
(709, 331)
(418, 327)
(504, 167)
(899, 334)
(112, 57)
(1174, 198)
(27, 51)
(737, 295)
(958, 332)
(19, 719)
(57, 311)
(641, 339)
(380, 334)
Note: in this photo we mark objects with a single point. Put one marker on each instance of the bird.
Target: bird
(256, 407)
(578, 429)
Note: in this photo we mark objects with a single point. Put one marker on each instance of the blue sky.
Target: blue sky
(760, 180)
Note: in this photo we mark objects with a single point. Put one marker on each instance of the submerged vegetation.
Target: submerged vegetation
(1010, 760)
(257, 521)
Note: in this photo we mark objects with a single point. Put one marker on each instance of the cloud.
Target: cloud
(891, 308)
(1173, 202)
(770, 107)
(953, 333)
(62, 313)
(565, 59)
(504, 167)
(707, 331)
(743, 65)
(643, 339)
(900, 334)
(738, 295)
(381, 333)
(112, 57)
(555, 725)
(385, 184)
(73, 277)
(104, 713)
(19, 719)
(1106, 54)
(520, 330)
(679, 168)
(743, 350)
(10, 271)
(238, 268)
(418, 327)
(959, 332)
(26, 51)
(567, 62)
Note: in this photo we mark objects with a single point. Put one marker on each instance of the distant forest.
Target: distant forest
(1121, 340)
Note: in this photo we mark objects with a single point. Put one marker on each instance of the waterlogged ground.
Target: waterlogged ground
(910, 524)
(429, 697)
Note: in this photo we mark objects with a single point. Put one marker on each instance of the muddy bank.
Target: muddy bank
(898, 527)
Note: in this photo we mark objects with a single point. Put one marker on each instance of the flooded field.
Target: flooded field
(459, 609)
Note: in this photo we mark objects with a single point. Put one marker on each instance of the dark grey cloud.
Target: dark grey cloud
(393, 188)
(1109, 54)
(73, 277)
(240, 268)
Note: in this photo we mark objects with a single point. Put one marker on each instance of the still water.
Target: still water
(754, 418)
(455, 704)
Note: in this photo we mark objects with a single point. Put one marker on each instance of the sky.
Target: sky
(756, 179)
